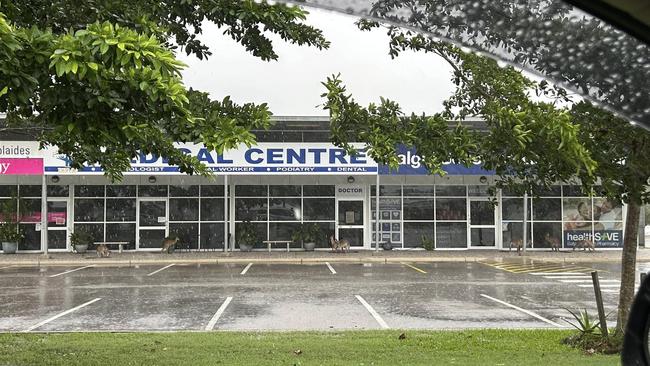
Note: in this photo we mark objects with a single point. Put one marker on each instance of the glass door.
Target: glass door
(482, 219)
(152, 222)
(57, 223)
(350, 222)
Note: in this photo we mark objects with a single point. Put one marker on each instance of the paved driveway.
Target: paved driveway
(298, 297)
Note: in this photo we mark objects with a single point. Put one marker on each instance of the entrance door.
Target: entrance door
(350, 222)
(482, 228)
(152, 222)
(57, 223)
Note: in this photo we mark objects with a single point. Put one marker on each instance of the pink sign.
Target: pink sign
(21, 166)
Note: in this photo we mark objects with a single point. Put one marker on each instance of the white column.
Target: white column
(377, 213)
(225, 214)
(44, 214)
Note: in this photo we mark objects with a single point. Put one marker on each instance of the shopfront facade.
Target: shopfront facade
(278, 186)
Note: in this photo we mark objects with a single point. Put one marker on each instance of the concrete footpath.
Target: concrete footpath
(300, 257)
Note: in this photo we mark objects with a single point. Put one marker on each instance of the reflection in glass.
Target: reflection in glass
(451, 209)
(212, 190)
(88, 209)
(548, 209)
(283, 231)
(120, 209)
(32, 240)
(350, 212)
(56, 239)
(30, 210)
(513, 208)
(57, 214)
(318, 191)
(152, 213)
(251, 191)
(7, 190)
(447, 190)
(121, 232)
(353, 236)
(545, 234)
(285, 191)
(120, 191)
(183, 209)
(260, 228)
(319, 209)
(418, 208)
(451, 235)
(426, 191)
(89, 191)
(96, 231)
(515, 231)
(414, 231)
(212, 209)
(152, 191)
(57, 191)
(184, 191)
(482, 237)
(212, 236)
(284, 209)
(30, 191)
(252, 209)
(481, 213)
(151, 238)
(188, 235)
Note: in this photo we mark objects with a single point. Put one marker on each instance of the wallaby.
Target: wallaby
(585, 244)
(553, 242)
(517, 243)
(342, 244)
(169, 242)
(102, 251)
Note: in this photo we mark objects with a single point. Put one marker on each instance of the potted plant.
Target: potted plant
(307, 234)
(246, 236)
(10, 232)
(80, 239)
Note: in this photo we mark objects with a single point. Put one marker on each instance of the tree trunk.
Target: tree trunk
(628, 265)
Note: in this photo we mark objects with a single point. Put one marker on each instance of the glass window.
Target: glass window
(121, 232)
(576, 232)
(284, 209)
(89, 210)
(8, 190)
(547, 235)
(451, 235)
(212, 236)
(88, 191)
(393, 190)
(515, 231)
(552, 191)
(415, 231)
(418, 208)
(212, 209)
(120, 209)
(212, 190)
(318, 191)
(96, 231)
(188, 234)
(253, 209)
(260, 228)
(573, 191)
(319, 209)
(451, 209)
(478, 191)
(250, 191)
(120, 191)
(513, 208)
(548, 209)
(58, 191)
(350, 212)
(389, 208)
(30, 210)
(285, 191)
(30, 191)
(152, 191)
(427, 191)
(56, 239)
(184, 191)
(577, 209)
(183, 209)
(445, 190)
(32, 240)
(283, 231)
(608, 214)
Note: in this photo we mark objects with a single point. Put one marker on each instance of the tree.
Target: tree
(621, 152)
(99, 81)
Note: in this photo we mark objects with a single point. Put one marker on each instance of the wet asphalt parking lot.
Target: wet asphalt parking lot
(320, 296)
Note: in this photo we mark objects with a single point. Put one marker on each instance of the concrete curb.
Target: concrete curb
(297, 260)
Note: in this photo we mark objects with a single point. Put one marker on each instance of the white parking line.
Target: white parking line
(330, 267)
(535, 315)
(60, 315)
(158, 270)
(372, 312)
(602, 286)
(72, 270)
(217, 315)
(6, 267)
(246, 269)
(556, 273)
(587, 281)
(566, 277)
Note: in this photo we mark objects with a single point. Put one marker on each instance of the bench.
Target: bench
(272, 242)
(120, 244)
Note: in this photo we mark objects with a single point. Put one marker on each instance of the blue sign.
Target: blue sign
(411, 164)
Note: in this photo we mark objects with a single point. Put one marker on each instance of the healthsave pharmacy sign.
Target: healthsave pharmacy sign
(264, 158)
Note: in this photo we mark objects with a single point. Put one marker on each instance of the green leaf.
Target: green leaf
(4, 91)
(93, 66)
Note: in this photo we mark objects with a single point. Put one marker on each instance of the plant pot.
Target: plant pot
(9, 247)
(245, 247)
(309, 247)
(387, 246)
(80, 248)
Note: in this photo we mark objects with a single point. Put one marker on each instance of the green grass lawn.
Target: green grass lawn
(468, 347)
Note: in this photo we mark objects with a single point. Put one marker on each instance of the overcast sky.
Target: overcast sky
(291, 85)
